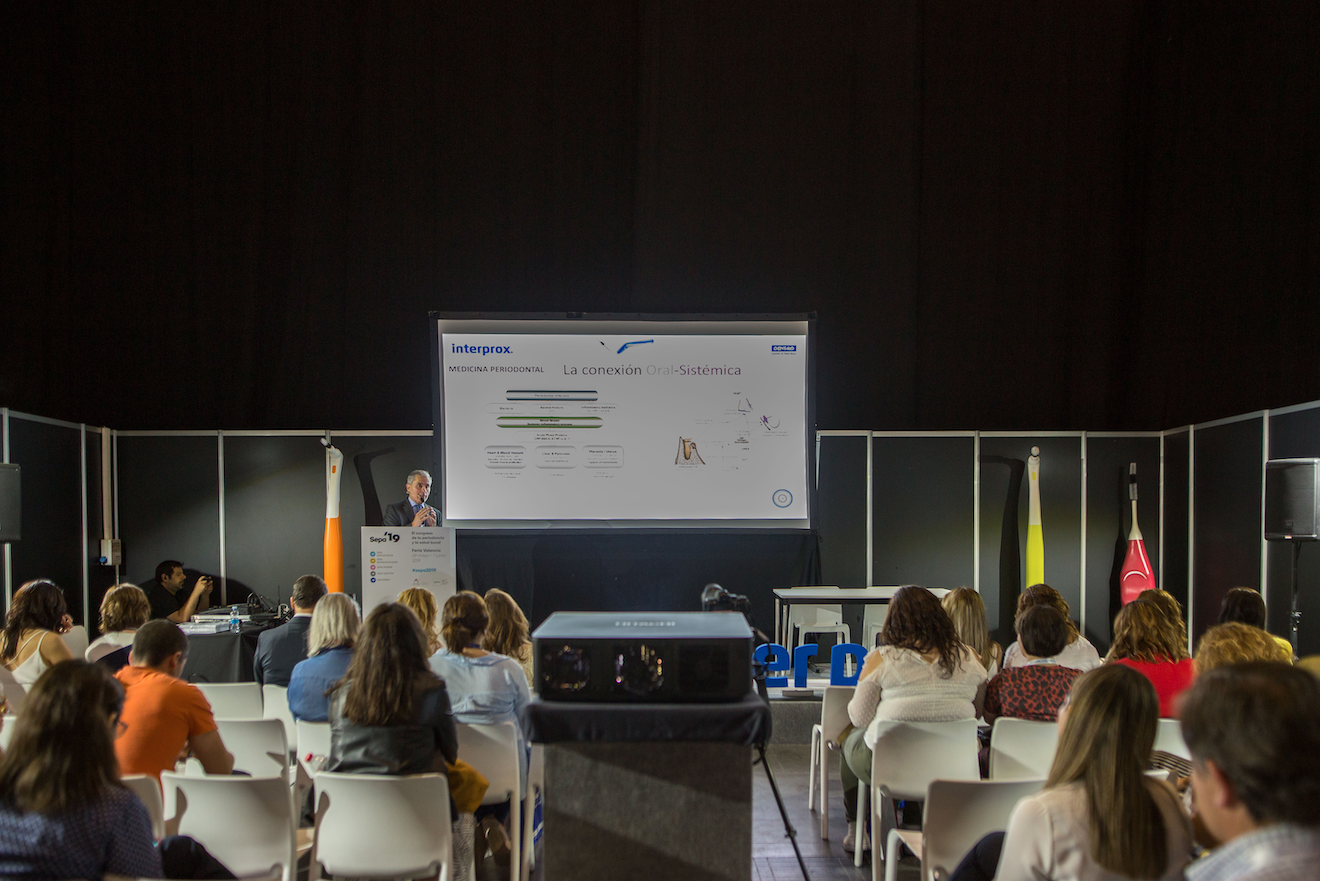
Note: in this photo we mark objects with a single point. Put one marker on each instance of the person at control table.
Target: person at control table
(413, 511)
(168, 599)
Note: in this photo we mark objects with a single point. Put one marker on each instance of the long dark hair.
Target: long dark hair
(1105, 744)
(389, 668)
(62, 756)
(38, 605)
(917, 621)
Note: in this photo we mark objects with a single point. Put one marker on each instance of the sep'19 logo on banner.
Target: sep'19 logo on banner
(777, 660)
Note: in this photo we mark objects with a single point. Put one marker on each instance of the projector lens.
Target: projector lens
(565, 671)
(638, 669)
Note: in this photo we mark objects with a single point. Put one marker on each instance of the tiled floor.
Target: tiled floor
(772, 852)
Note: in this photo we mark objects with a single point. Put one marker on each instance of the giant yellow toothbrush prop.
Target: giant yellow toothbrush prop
(1035, 535)
(334, 539)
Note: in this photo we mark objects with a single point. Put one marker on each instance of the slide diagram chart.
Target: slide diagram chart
(574, 426)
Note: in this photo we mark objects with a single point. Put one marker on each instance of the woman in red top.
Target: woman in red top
(1144, 641)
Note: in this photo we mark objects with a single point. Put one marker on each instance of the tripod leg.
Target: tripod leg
(789, 831)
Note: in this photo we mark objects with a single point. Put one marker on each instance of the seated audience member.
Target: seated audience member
(163, 714)
(280, 648)
(390, 714)
(124, 609)
(422, 602)
(1079, 654)
(508, 629)
(1099, 817)
(37, 616)
(1169, 606)
(922, 672)
(335, 626)
(1246, 606)
(1036, 689)
(1235, 643)
(1255, 744)
(484, 688)
(1144, 642)
(966, 610)
(168, 599)
(63, 812)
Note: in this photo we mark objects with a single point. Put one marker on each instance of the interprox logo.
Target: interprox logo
(479, 350)
(783, 348)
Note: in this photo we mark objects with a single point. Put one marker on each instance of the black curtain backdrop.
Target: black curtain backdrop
(1049, 215)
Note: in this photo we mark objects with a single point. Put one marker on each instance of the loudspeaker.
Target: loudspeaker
(1292, 500)
(10, 503)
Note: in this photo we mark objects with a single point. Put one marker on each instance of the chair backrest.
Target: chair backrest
(834, 711)
(14, 693)
(958, 813)
(1021, 749)
(493, 750)
(805, 614)
(7, 732)
(247, 823)
(233, 700)
(1168, 737)
(258, 746)
(147, 790)
(313, 738)
(374, 826)
(275, 705)
(76, 640)
(96, 652)
(909, 755)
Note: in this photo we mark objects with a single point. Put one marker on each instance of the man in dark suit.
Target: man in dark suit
(413, 511)
(280, 648)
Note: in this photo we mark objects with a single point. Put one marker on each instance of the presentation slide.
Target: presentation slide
(655, 423)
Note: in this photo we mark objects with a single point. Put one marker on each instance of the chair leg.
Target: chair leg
(811, 767)
(863, 811)
(824, 790)
(516, 828)
(893, 848)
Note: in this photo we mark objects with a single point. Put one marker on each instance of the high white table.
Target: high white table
(823, 596)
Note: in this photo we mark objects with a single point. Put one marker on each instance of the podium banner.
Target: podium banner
(395, 558)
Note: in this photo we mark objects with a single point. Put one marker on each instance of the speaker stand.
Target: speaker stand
(1296, 614)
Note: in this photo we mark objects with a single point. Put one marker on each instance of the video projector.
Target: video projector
(643, 657)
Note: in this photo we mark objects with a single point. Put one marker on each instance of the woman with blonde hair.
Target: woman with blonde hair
(334, 630)
(1099, 817)
(422, 602)
(124, 609)
(1173, 615)
(966, 609)
(1144, 642)
(1078, 654)
(507, 632)
(1235, 643)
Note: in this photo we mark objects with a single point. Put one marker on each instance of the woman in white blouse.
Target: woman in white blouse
(1099, 817)
(1078, 653)
(922, 672)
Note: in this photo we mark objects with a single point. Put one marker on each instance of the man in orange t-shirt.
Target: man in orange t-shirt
(162, 714)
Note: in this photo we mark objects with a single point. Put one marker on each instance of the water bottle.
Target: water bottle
(235, 625)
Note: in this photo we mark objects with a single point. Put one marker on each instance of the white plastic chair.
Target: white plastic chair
(258, 746)
(14, 693)
(247, 823)
(825, 737)
(76, 640)
(232, 700)
(804, 619)
(145, 787)
(374, 826)
(1168, 737)
(7, 732)
(1021, 749)
(275, 705)
(958, 813)
(94, 653)
(493, 750)
(535, 786)
(313, 738)
(873, 622)
(906, 758)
